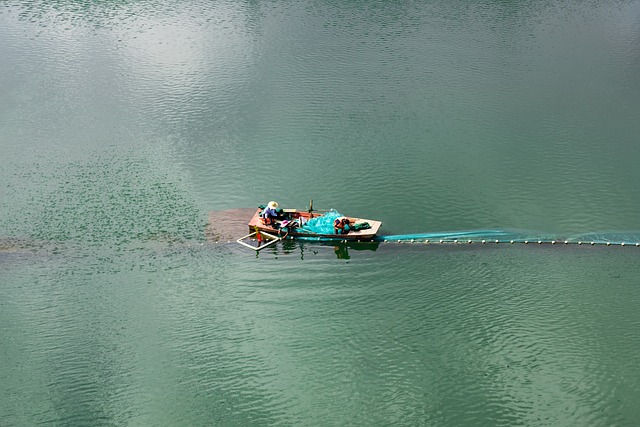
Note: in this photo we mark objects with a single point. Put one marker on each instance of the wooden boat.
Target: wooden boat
(291, 224)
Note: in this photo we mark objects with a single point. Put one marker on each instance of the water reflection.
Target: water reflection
(457, 116)
(340, 249)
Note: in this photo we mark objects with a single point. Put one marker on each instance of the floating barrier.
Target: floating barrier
(484, 237)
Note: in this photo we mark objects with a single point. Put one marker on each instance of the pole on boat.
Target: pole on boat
(310, 208)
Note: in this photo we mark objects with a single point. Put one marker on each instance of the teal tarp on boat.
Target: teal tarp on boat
(321, 224)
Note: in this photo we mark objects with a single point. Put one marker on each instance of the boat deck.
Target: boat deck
(360, 235)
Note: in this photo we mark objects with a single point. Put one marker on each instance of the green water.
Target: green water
(122, 124)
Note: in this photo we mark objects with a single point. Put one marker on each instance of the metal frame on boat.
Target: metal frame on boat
(258, 234)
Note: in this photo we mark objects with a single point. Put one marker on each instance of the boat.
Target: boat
(314, 225)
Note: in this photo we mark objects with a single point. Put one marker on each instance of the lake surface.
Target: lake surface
(124, 124)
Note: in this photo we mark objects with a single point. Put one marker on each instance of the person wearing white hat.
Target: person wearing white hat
(269, 213)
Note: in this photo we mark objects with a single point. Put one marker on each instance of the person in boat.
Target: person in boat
(341, 225)
(270, 213)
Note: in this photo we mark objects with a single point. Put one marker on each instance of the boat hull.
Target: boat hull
(369, 234)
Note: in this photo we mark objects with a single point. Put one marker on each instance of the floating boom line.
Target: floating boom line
(512, 237)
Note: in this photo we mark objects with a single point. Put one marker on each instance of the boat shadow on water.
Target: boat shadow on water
(342, 250)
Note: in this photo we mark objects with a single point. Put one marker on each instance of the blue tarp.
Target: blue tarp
(321, 224)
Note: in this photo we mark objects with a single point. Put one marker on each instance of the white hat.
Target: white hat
(273, 204)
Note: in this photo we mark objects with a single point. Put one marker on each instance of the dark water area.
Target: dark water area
(137, 136)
